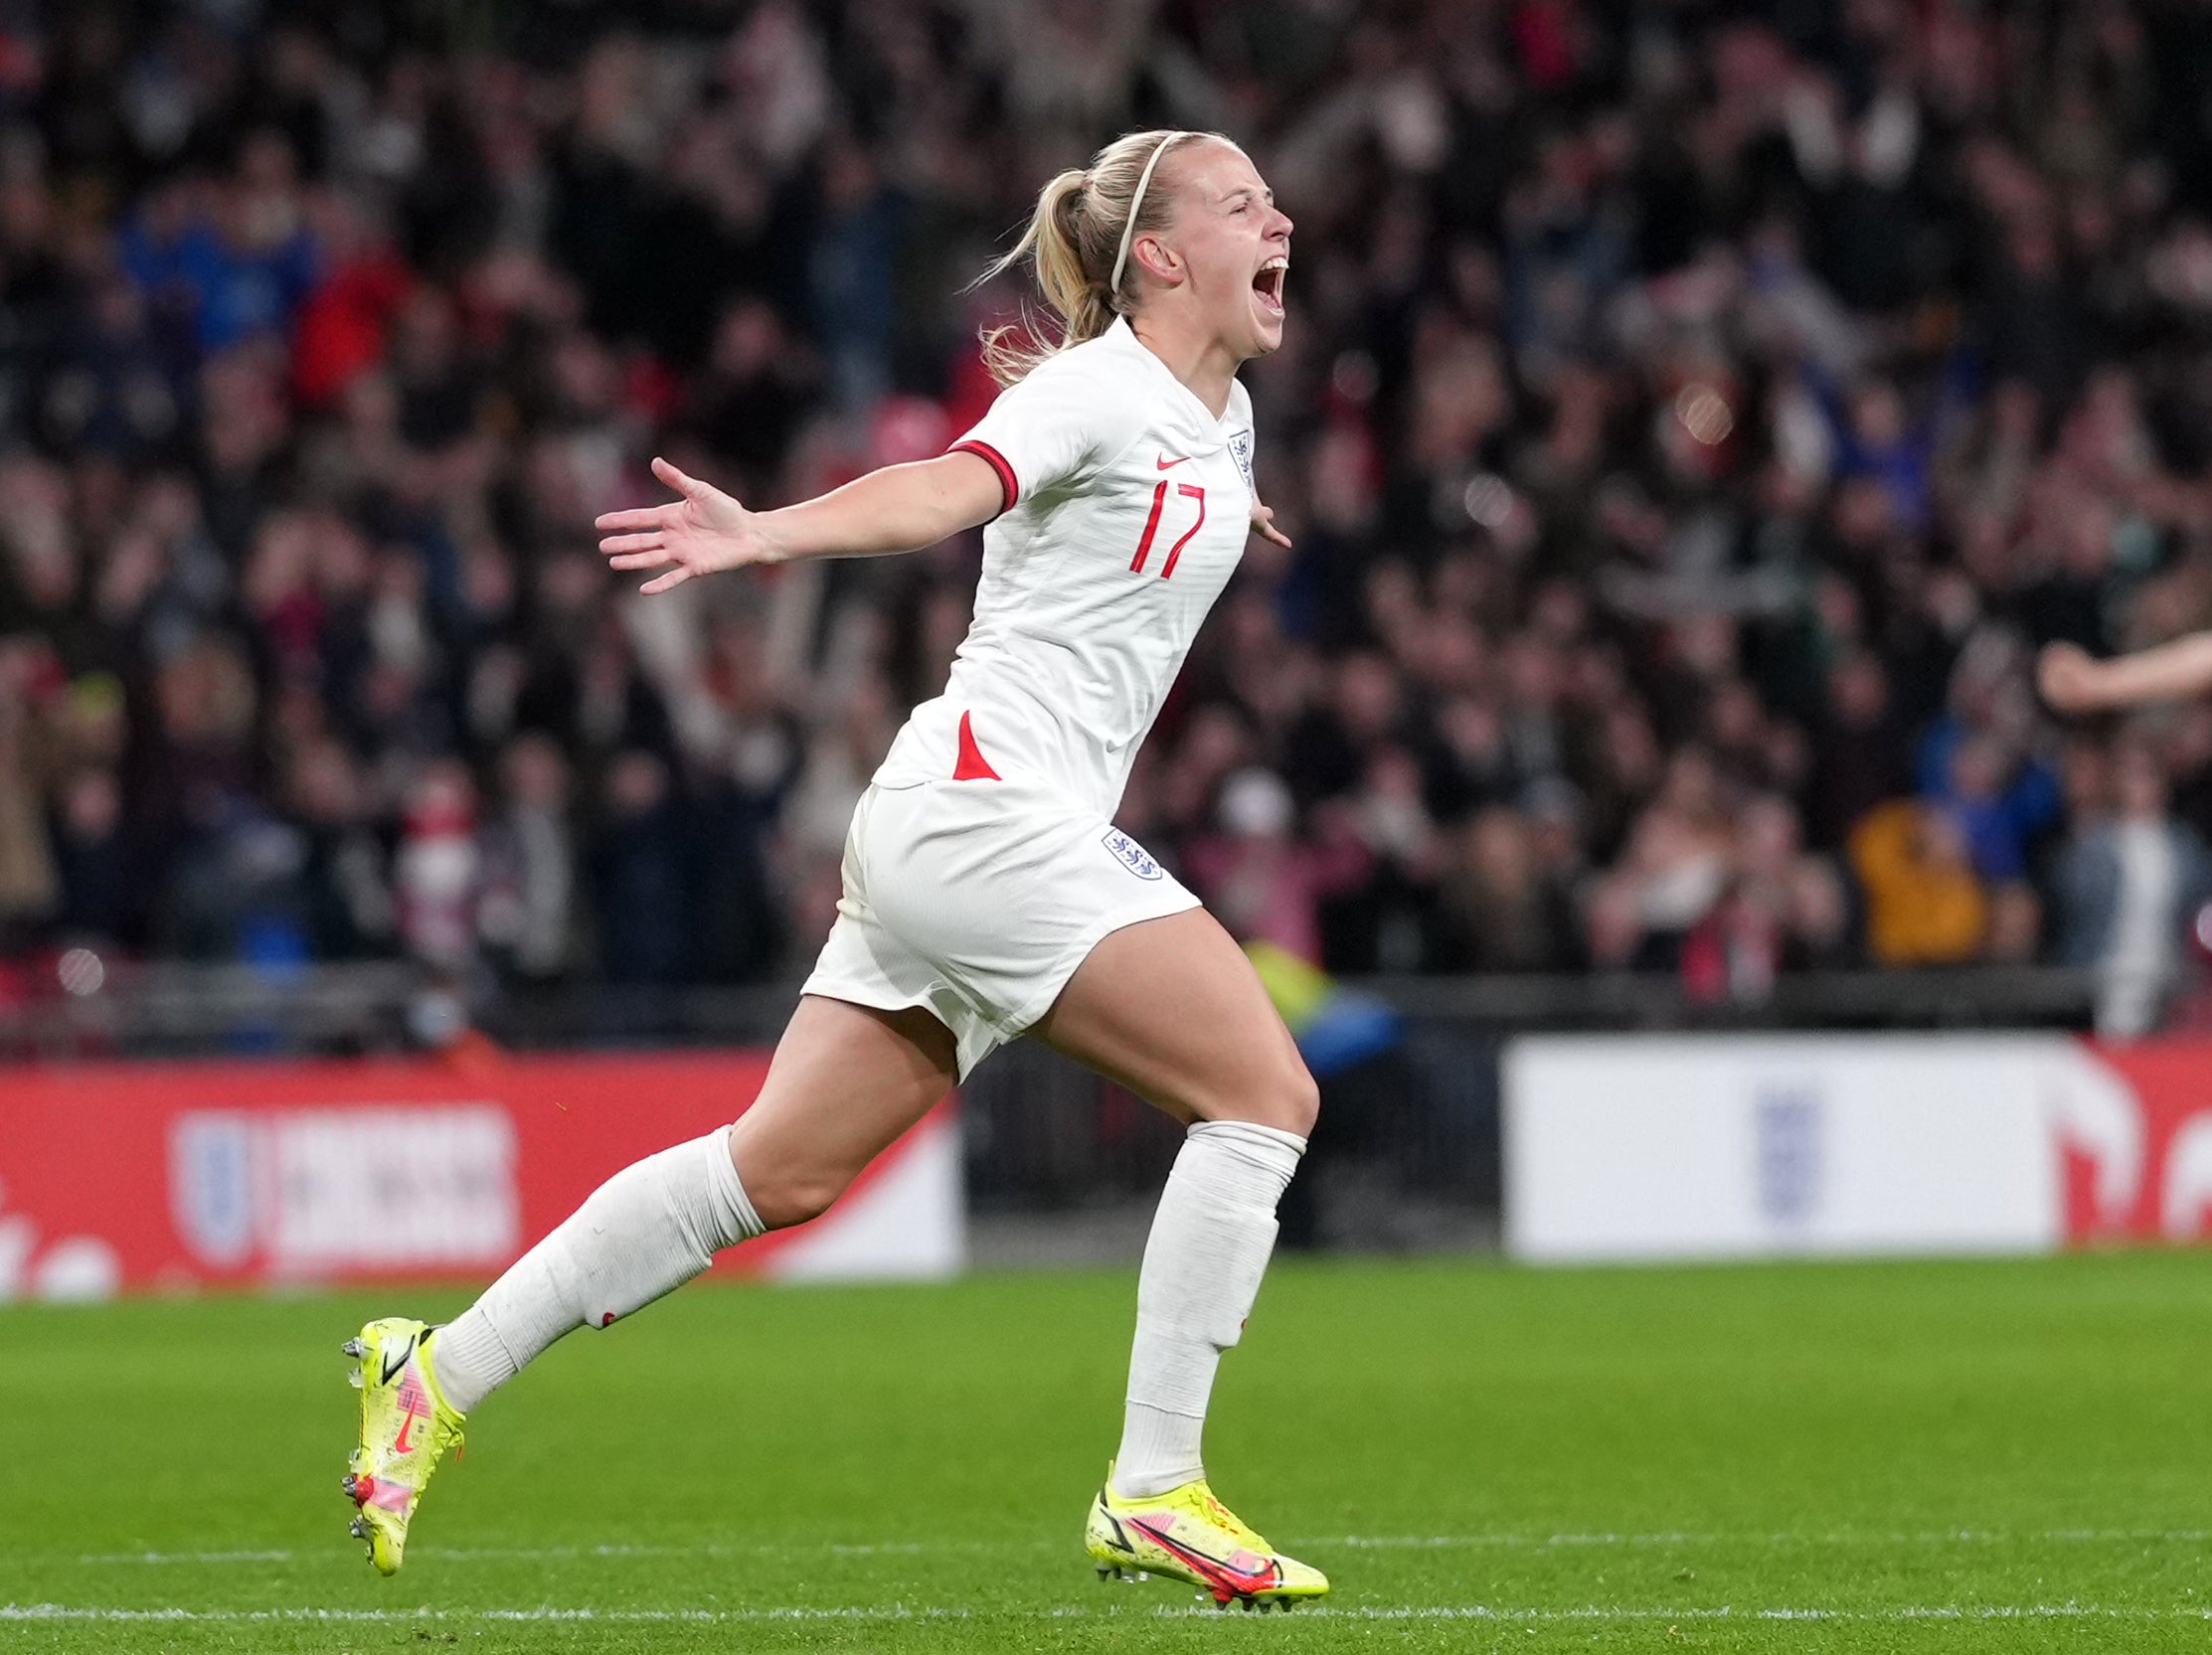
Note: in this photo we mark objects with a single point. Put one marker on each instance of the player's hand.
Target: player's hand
(1262, 524)
(702, 533)
(2066, 674)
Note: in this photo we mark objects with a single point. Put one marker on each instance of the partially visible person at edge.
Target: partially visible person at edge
(2129, 886)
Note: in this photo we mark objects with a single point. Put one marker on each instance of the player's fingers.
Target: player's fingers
(643, 542)
(1262, 524)
(690, 488)
(663, 583)
(639, 560)
(637, 516)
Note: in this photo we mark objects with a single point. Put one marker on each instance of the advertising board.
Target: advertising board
(117, 1177)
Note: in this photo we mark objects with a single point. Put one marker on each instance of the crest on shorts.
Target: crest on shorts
(1240, 450)
(1135, 857)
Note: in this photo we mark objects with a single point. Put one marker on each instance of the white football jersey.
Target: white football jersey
(1126, 507)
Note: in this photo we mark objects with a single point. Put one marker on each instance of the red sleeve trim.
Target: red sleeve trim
(1008, 487)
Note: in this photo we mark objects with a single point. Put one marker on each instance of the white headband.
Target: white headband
(1128, 231)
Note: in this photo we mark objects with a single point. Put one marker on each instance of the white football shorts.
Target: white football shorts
(978, 900)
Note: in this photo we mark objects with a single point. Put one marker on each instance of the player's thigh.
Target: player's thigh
(845, 1082)
(1172, 1008)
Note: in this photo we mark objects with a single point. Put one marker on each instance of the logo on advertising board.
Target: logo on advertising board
(333, 1190)
(210, 1189)
(2135, 1138)
(1786, 1134)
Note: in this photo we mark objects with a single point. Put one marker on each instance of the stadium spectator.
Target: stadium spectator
(2130, 883)
(1925, 904)
(1673, 872)
(1501, 909)
(640, 861)
(527, 913)
(1258, 880)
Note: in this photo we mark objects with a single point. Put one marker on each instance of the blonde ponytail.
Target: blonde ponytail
(1076, 241)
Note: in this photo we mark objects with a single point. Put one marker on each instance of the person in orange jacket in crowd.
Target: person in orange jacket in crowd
(1925, 906)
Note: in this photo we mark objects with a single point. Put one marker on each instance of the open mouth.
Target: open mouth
(1267, 282)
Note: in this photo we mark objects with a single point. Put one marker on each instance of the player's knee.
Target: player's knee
(1288, 1100)
(1300, 1102)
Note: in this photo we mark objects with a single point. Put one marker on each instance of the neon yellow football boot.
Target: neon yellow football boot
(405, 1429)
(1188, 1535)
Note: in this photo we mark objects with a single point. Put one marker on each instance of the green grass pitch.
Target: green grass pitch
(1961, 1456)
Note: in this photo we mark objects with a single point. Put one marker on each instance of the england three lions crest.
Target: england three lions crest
(1132, 855)
(1240, 450)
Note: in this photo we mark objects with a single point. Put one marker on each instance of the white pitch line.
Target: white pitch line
(50, 1613)
(174, 1558)
(555, 1554)
(1944, 1537)
(1501, 1542)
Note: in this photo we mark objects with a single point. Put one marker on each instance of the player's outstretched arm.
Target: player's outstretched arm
(703, 531)
(2072, 681)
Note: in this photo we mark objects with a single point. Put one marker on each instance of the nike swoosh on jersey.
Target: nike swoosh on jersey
(1166, 465)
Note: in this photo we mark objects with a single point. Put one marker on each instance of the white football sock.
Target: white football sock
(1202, 1268)
(649, 1229)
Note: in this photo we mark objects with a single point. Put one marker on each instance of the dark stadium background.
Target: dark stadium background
(1692, 419)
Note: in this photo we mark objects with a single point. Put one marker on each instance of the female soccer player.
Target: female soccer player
(987, 893)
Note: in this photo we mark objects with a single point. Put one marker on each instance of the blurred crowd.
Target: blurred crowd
(1694, 417)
